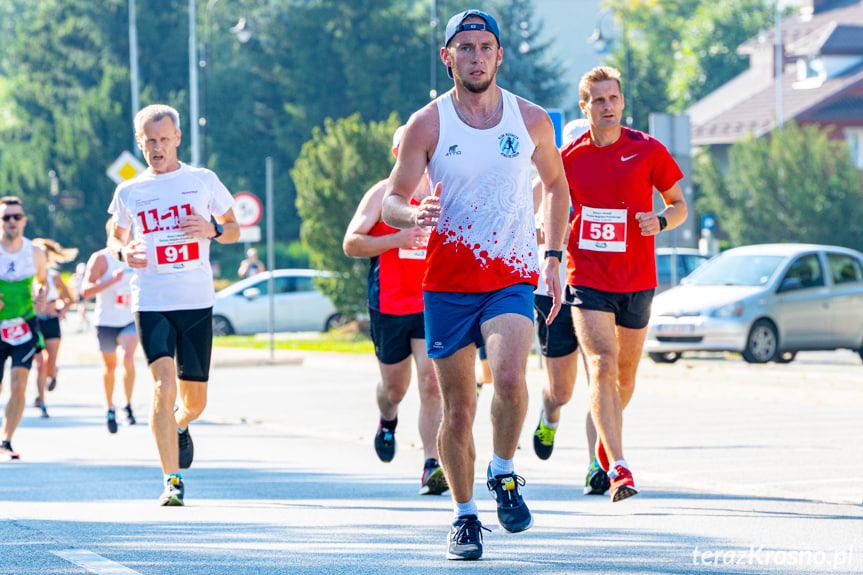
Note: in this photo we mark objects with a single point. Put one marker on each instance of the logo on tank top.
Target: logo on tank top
(11, 269)
(508, 144)
(454, 151)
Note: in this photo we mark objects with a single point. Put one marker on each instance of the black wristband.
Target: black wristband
(556, 253)
(663, 223)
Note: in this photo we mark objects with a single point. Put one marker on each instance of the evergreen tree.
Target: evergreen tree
(334, 170)
(794, 186)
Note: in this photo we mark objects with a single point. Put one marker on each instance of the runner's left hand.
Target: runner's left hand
(196, 226)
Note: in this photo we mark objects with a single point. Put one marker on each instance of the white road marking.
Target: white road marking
(94, 563)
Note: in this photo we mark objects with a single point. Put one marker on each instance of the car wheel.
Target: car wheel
(221, 326)
(667, 357)
(785, 356)
(762, 343)
(334, 321)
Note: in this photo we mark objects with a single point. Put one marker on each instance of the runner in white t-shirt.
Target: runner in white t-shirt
(162, 229)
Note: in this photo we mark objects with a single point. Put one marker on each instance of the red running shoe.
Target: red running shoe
(622, 484)
(601, 455)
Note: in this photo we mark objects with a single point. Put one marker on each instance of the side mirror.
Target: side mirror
(790, 284)
(251, 293)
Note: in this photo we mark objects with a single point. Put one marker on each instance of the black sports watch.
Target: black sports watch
(554, 253)
(219, 230)
(663, 223)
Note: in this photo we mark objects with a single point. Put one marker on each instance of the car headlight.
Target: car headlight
(730, 310)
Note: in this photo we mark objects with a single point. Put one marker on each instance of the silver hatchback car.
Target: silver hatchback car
(243, 308)
(766, 302)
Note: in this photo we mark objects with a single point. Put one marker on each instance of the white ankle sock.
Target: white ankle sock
(501, 466)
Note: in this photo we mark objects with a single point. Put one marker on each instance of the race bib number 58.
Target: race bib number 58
(603, 230)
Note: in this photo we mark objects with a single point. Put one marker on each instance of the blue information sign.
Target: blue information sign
(557, 121)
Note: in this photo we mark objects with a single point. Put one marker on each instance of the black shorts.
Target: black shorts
(187, 333)
(49, 326)
(392, 335)
(631, 309)
(557, 339)
(22, 355)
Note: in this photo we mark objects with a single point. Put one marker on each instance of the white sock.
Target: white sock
(620, 462)
(462, 509)
(501, 466)
(549, 424)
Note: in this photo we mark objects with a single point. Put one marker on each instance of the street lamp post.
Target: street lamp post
(52, 205)
(193, 83)
(434, 56)
(204, 64)
(601, 42)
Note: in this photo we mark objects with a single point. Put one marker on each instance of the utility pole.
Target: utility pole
(193, 83)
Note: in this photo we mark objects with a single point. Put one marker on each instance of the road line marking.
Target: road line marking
(94, 563)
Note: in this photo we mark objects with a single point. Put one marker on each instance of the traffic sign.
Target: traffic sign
(250, 234)
(708, 222)
(247, 209)
(125, 167)
(557, 121)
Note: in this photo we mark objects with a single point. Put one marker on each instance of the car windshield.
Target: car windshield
(742, 270)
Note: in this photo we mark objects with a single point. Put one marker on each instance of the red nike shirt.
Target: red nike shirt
(608, 186)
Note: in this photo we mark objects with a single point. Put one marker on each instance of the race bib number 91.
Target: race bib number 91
(603, 230)
(177, 253)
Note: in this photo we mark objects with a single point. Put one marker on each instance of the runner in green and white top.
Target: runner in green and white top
(20, 266)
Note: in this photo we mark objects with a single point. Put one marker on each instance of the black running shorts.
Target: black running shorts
(49, 326)
(184, 334)
(631, 309)
(392, 335)
(22, 355)
(557, 339)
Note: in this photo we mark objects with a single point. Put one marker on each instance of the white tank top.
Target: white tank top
(486, 237)
(53, 292)
(114, 304)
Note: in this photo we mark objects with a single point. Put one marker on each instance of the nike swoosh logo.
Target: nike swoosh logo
(626, 158)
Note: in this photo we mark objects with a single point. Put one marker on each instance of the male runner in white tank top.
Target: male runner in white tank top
(478, 143)
(163, 229)
(20, 264)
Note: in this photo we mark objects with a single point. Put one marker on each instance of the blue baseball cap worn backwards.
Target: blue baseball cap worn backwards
(456, 24)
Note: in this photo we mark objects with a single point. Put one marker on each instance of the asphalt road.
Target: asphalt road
(742, 469)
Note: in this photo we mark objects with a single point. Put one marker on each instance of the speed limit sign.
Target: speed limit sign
(247, 209)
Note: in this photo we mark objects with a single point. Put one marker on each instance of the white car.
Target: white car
(243, 308)
(766, 302)
(687, 260)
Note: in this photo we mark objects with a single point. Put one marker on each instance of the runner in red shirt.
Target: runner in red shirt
(398, 330)
(611, 275)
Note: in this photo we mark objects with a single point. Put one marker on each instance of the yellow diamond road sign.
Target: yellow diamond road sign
(125, 167)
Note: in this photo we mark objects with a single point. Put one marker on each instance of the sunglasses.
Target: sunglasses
(16, 217)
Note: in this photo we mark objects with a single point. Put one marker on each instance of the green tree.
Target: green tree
(333, 172)
(795, 186)
(706, 55)
(529, 69)
(643, 51)
(65, 95)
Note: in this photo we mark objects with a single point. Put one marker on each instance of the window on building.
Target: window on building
(854, 136)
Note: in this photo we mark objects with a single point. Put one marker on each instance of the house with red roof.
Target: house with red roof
(821, 81)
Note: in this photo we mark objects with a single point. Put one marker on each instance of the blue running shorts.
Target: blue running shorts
(453, 319)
